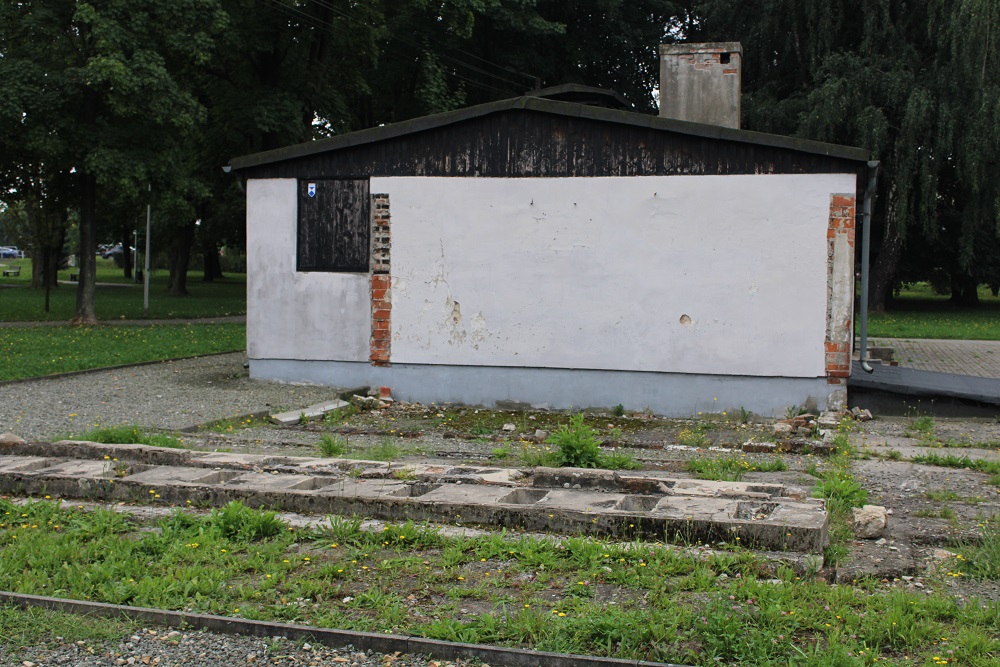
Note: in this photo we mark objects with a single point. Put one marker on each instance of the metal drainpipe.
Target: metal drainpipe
(866, 236)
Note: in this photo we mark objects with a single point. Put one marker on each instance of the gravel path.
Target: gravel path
(168, 395)
(170, 648)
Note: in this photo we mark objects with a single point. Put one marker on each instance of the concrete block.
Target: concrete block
(311, 412)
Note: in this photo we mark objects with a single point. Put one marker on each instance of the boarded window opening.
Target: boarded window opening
(334, 225)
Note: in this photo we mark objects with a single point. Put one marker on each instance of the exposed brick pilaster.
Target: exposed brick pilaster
(381, 297)
(840, 286)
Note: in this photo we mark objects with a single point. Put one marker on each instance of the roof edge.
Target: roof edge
(542, 105)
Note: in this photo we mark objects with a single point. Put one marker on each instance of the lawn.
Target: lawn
(637, 600)
(919, 313)
(43, 350)
(119, 298)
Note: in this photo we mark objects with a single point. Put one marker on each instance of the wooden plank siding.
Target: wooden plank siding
(525, 143)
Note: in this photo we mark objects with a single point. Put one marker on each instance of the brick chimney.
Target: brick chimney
(701, 82)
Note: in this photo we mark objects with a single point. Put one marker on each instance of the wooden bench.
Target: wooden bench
(74, 277)
(11, 271)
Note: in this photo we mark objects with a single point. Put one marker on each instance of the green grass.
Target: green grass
(44, 350)
(981, 560)
(842, 493)
(331, 445)
(919, 313)
(22, 630)
(952, 461)
(127, 435)
(731, 468)
(20, 303)
(638, 601)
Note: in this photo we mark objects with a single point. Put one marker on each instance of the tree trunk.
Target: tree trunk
(213, 268)
(964, 290)
(180, 255)
(127, 251)
(86, 290)
(883, 271)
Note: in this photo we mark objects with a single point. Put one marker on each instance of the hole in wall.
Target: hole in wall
(724, 58)
(686, 320)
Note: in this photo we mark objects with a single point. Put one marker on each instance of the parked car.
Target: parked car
(10, 252)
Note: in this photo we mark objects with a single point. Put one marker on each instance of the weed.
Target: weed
(942, 495)
(235, 521)
(952, 461)
(338, 415)
(942, 513)
(404, 474)
(480, 429)
(994, 480)
(386, 450)
(746, 416)
(500, 453)
(841, 491)
(578, 444)
(342, 529)
(618, 410)
(35, 627)
(692, 438)
(637, 601)
(894, 455)
(534, 456)
(619, 460)
(234, 424)
(731, 468)
(303, 420)
(332, 445)
(129, 435)
(923, 424)
(982, 560)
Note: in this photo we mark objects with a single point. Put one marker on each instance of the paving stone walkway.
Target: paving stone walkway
(978, 358)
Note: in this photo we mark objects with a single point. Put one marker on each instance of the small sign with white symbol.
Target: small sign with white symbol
(312, 190)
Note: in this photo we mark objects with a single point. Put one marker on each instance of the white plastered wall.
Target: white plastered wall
(293, 315)
(722, 275)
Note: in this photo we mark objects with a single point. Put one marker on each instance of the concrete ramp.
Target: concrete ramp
(575, 501)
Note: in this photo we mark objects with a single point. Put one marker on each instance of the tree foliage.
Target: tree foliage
(914, 82)
(99, 99)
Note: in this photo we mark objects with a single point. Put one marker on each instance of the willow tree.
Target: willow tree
(917, 84)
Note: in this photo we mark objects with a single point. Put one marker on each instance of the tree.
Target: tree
(914, 82)
(98, 80)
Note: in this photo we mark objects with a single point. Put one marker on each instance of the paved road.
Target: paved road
(979, 358)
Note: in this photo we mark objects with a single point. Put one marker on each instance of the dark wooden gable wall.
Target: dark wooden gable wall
(524, 143)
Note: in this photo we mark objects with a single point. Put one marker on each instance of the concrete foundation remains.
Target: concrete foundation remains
(594, 502)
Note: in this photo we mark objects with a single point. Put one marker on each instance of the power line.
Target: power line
(341, 12)
(317, 22)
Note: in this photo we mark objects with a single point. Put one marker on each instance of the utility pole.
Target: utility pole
(145, 274)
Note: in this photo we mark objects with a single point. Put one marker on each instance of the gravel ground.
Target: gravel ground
(168, 395)
(167, 647)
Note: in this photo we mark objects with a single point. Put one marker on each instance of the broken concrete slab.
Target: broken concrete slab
(311, 412)
(629, 505)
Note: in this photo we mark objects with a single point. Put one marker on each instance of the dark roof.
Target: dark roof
(580, 94)
(547, 106)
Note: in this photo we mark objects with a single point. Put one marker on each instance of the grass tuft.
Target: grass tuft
(952, 461)
(129, 435)
(731, 468)
(332, 445)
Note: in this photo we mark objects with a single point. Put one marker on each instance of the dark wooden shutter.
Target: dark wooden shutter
(334, 225)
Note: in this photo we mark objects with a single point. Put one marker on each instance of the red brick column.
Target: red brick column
(381, 295)
(840, 282)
